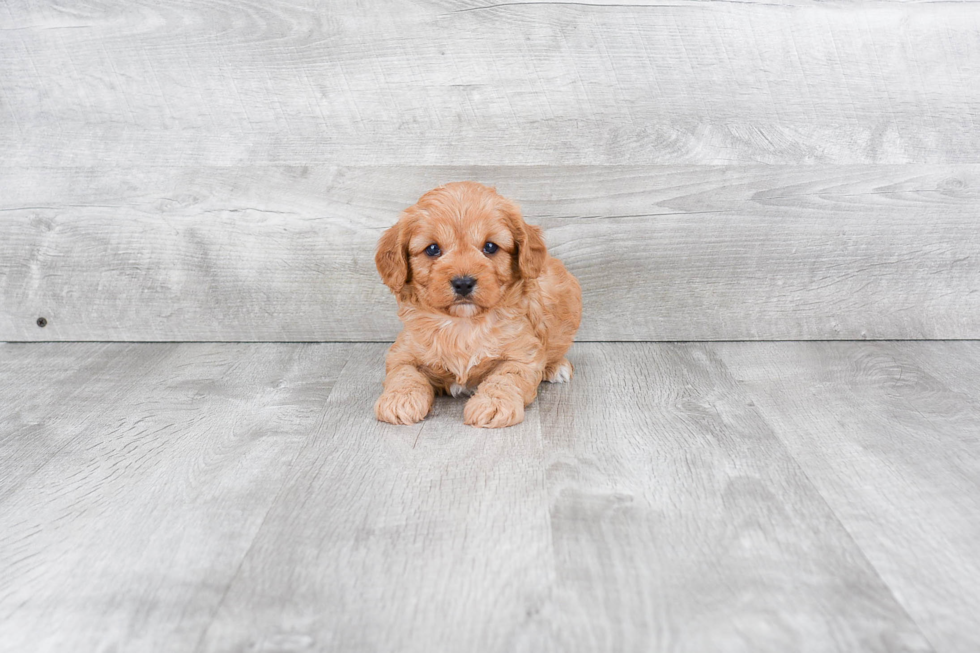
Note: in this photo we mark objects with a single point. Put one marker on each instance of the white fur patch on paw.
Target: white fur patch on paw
(562, 373)
(456, 390)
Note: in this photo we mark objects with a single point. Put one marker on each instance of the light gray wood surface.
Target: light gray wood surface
(221, 171)
(80, 381)
(123, 84)
(663, 253)
(150, 470)
(888, 433)
(673, 502)
(672, 497)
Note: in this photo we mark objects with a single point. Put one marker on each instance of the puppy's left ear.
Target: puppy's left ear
(531, 250)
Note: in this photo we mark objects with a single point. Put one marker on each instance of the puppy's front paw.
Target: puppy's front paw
(491, 412)
(403, 406)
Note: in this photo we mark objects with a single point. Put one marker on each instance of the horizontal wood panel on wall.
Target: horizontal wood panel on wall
(514, 83)
(663, 253)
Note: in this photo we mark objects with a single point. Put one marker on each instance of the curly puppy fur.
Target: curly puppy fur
(486, 310)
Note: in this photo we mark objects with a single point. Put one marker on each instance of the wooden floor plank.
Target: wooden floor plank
(681, 523)
(888, 432)
(127, 537)
(51, 392)
(432, 537)
(488, 82)
(662, 253)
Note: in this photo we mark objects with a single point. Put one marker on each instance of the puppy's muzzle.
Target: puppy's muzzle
(463, 286)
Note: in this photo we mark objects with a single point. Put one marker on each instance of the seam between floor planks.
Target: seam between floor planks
(921, 514)
(815, 487)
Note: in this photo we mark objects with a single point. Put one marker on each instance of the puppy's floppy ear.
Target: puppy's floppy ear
(531, 250)
(391, 258)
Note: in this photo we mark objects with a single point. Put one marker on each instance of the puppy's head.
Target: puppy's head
(460, 249)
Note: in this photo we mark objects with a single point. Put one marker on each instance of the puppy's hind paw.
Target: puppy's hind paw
(560, 372)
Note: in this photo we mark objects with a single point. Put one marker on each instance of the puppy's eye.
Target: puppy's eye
(433, 250)
(490, 248)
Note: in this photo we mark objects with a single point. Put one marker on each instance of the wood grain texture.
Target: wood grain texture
(663, 253)
(126, 538)
(50, 393)
(681, 523)
(672, 497)
(511, 83)
(888, 433)
(643, 507)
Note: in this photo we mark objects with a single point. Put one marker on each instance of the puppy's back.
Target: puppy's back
(561, 298)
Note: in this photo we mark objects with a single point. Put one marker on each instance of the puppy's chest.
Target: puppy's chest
(462, 356)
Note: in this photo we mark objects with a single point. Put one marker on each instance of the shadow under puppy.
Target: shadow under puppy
(486, 310)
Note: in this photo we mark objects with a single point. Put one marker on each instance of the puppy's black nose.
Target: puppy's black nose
(463, 286)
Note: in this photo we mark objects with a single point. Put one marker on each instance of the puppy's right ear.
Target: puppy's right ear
(392, 257)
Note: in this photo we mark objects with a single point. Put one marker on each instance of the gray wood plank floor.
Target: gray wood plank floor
(487, 82)
(890, 436)
(286, 254)
(672, 497)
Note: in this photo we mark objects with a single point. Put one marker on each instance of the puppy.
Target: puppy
(485, 310)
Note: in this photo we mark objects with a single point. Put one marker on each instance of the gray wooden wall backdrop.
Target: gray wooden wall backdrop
(208, 170)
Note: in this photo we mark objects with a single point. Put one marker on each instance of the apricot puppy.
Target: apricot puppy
(485, 310)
